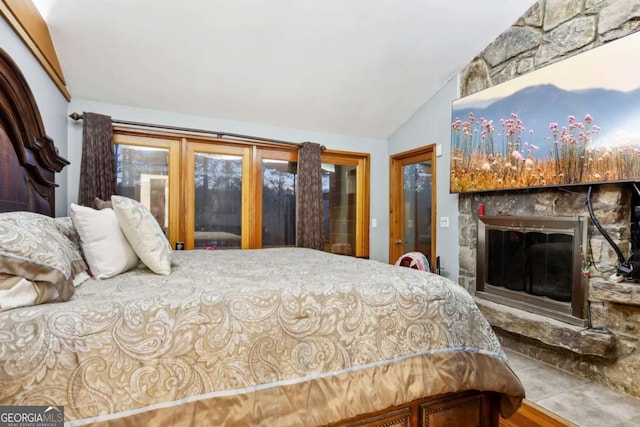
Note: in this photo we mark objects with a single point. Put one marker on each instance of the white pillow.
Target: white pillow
(105, 247)
(144, 234)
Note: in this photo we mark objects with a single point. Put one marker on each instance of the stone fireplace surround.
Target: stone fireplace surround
(608, 351)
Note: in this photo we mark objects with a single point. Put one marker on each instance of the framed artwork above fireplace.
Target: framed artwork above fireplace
(572, 122)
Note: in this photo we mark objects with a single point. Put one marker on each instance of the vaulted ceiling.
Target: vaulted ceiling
(356, 67)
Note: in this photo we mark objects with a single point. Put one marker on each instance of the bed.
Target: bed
(272, 337)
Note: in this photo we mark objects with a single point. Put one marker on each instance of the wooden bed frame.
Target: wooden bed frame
(458, 409)
(28, 157)
(28, 163)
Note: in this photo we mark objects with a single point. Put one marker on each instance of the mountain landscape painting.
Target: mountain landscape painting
(573, 122)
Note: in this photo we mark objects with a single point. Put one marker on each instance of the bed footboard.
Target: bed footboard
(458, 409)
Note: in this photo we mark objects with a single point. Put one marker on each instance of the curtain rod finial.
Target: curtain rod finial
(75, 116)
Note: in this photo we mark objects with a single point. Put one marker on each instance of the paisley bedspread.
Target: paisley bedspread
(248, 337)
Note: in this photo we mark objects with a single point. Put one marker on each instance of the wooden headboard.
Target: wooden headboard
(28, 157)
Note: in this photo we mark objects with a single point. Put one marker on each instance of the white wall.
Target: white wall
(51, 102)
(377, 148)
(431, 124)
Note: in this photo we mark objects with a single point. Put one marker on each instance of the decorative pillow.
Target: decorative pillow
(144, 234)
(16, 291)
(65, 226)
(32, 246)
(106, 249)
(98, 203)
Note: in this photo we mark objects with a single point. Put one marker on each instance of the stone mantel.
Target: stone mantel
(619, 293)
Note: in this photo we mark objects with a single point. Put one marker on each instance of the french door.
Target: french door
(412, 204)
(217, 196)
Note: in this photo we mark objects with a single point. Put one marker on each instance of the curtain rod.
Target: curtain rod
(76, 117)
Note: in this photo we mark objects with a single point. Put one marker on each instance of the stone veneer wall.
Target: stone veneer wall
(552, 30)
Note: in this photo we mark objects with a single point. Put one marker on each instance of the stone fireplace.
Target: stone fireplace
(606, 347)
(533, 263)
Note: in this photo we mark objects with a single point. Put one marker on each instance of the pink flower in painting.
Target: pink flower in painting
(571, 119)
(588, 118)
(486, 166)
(528, 163)
(466, 128)
(489, 126)
(516, 155)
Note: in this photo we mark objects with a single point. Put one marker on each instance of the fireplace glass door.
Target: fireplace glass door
(534, 262)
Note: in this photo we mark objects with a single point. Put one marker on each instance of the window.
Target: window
(345, 190)
(142, 174)
(214, 193)
(143, 170)
(216, 180)
(278, 201)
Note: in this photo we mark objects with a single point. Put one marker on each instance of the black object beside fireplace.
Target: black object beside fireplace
(534, 263)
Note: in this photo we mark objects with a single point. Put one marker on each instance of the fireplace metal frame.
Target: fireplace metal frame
(574, 312)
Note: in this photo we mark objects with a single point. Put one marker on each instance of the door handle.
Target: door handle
(399, 242)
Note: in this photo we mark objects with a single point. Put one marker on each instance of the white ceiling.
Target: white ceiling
(356, 67)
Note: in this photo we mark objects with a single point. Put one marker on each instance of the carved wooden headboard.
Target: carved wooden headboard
(28, 157)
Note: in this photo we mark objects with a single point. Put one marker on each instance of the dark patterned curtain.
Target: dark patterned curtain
(98, 166)
(310, 220)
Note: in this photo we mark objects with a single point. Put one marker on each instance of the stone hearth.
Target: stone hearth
(549, 332)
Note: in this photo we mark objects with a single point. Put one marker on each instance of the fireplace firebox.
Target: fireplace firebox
(534, 264)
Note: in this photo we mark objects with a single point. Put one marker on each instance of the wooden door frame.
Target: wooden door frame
(396, 162)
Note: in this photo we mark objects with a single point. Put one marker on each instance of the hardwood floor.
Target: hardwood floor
(532, 415)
